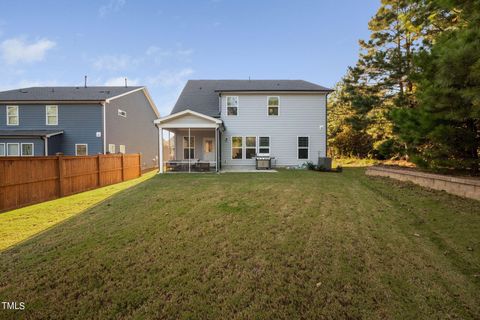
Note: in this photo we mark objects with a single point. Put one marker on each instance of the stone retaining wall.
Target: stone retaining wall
(464, 187)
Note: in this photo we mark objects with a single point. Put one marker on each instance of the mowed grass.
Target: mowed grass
(290, 245)
(20, 224)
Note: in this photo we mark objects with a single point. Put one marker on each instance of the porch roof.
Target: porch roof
(188, 119)
(30, 133)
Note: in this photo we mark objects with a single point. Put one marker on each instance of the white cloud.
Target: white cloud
(111, 6)
(170, 83)
(114, 62)
(18, 50)
(160, 55)
(120, 82)
(170, 78)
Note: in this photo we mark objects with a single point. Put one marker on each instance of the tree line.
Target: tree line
(414, 92)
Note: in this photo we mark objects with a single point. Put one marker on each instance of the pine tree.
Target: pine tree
(444, 131)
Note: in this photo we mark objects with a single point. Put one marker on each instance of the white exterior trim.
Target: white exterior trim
(81, 144)
(18, 115)
(188, 112)
(21, 149)
(104, 129)
(53, 134)
(278, 107)
(226, 106)
(46, 114)
(308, 147)
(269, 146)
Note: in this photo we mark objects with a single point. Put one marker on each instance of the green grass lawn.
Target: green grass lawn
(290, 245)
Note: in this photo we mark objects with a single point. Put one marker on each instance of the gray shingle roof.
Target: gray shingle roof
(63, 93)
(29, 133)
(202, 95)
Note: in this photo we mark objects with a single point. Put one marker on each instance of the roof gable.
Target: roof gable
(33, 94)
(187, 119)
(203, 95)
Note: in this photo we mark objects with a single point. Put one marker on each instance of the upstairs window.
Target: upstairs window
(302, 145)
(122, 113)
(273, 105)
(264, 145)
(237, 146)
(52, 115)
(250, 147)
(12, 116)
(232, 106)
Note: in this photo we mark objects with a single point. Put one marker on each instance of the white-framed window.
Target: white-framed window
(302, 146)
(237, 148)
(2, 149)
(81, 149)
(121, 148)
(250, 147)
(27, 149)
(273, 105)
(51, 114)
(188, 148)
(111, 148)
(232, 106)
(12, 116)
(264, 145)
(122, 113)
(13, 149)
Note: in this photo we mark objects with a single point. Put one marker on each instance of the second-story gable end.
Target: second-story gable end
(206, 96)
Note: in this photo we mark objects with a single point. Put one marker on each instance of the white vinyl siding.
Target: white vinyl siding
(51, 115)
(13, 118)
(301, 115)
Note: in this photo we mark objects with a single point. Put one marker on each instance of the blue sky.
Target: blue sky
(161, 44)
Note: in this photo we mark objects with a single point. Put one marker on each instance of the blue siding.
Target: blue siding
(38, 144)
(80, 123)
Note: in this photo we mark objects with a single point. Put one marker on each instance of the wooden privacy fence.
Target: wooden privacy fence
(29, 180)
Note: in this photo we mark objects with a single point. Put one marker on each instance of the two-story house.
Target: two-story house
(230, 123)
(42, 121)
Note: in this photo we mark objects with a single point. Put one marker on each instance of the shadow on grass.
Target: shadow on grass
(20, 225)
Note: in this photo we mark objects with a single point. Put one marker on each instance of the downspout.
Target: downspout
(104, 128)
(326, 125)
(45, 148)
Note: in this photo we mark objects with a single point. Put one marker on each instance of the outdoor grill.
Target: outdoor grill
(263, 163)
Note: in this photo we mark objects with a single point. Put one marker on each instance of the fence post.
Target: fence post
(139, 164)
(123, 167)
(99, 169)
(60, 176)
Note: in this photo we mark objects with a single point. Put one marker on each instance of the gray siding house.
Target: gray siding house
(229, 123)
(42, 121)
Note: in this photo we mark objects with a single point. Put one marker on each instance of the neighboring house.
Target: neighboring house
(228, 123)
(43, 121)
